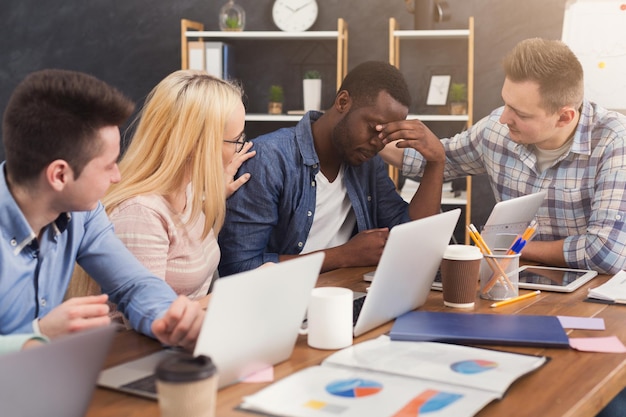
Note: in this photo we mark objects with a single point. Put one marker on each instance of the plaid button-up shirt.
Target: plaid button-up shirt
(586, 186)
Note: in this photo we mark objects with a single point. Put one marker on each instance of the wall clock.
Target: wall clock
(294, 15)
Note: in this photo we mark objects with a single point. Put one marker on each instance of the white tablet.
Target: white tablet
(552, 278)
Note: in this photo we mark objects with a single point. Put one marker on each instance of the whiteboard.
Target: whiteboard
(595, 30)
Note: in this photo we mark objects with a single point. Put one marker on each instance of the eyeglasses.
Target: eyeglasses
(240, 141)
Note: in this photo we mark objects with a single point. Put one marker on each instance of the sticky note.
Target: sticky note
(264, 375)
(582, 323)
(609, 344)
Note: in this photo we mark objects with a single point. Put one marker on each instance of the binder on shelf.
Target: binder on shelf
(218, 59)
(227, 62)
(214, 58)
(196, 55)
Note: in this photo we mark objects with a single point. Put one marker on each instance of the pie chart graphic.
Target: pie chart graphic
(475, 366)
(354, 388)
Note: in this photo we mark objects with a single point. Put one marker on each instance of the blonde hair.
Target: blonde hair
(553, 66)
(180, 132)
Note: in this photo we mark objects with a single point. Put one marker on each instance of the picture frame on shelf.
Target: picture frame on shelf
(438, 90)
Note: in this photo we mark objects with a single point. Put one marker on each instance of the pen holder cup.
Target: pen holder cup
(499, 276)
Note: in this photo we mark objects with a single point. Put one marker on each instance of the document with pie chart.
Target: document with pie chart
(381, 377)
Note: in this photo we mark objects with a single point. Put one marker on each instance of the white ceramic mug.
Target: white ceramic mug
(329, 318)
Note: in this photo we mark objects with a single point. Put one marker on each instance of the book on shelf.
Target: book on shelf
(381, 377)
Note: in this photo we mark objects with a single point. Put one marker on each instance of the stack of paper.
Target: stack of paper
(381, 378)
(613, 290)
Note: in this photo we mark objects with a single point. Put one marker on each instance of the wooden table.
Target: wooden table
(572, 383)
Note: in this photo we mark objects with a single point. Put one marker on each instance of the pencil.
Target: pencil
(530, 230)
(516, 299)
(499, 273)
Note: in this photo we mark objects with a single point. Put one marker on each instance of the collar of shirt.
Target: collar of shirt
(582, 135)
(19, 233)
(304, 138)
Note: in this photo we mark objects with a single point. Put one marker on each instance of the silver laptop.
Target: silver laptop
(252, 322)
(406, 269)
(56, 379)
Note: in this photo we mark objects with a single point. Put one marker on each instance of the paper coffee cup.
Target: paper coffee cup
(460, 268)
(187, 386)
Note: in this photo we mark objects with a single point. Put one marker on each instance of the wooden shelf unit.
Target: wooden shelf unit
(395, 36)
(190, 29)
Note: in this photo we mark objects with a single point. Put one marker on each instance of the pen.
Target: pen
(516, 299)
(515, 246)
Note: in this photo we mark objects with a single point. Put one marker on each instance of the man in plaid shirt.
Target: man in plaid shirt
(545, 137)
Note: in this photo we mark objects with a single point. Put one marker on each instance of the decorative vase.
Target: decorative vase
(274, 107)
(232, 17)
(312, 93)
(458, 108)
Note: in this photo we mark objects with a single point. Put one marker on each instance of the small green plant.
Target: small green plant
(312, 75)
(277, 94)
(233, 23)
(458, 92)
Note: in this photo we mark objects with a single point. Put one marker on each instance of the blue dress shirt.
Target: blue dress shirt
(34, 274)
(273, 213)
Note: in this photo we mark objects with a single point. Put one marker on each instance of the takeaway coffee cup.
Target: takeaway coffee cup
(329, 318)
(460, 269)
(187, 386)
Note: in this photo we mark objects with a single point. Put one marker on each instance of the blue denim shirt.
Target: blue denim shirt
(272, 214)
(34, 274)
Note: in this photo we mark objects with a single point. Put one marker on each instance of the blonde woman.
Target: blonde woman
(176, 175)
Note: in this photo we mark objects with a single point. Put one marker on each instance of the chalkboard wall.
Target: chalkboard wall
(134, 44)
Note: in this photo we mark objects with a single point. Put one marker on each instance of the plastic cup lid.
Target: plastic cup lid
(462, 253)
(185, 368)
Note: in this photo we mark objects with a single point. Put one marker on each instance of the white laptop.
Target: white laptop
(56, 379)
(510, 218)
(252, 322)
(406, 269)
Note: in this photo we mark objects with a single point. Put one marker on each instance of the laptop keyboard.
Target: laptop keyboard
(357, 305)
(145, 384)
(437, 281)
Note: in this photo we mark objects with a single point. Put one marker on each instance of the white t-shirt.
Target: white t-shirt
(547, 157)
(334, 218)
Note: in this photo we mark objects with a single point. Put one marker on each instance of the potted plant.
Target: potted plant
(276, 97)
(458, 98)
(312, 90)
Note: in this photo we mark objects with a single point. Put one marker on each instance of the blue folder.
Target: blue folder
(491, 329)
